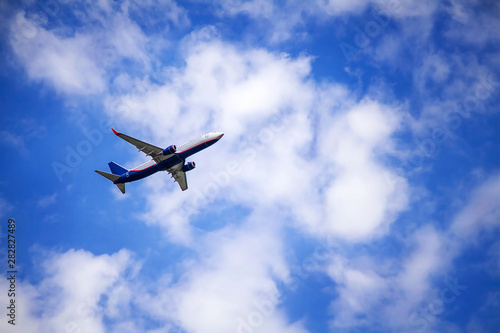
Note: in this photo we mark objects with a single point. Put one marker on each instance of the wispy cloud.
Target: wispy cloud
(5, 206)
(47, 200)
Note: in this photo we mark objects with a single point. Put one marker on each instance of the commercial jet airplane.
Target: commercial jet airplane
(171, 159)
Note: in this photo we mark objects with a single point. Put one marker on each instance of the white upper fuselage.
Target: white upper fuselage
(199, 141)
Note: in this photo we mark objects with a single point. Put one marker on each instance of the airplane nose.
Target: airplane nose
(219, 135)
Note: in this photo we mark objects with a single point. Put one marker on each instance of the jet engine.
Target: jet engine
(188, 166)
(169, 150)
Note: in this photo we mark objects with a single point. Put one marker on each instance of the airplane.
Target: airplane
(171, 159)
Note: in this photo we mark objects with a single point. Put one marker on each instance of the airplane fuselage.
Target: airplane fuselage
(176, 160)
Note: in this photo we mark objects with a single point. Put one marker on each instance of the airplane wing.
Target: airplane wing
(146, 148)
(180, 177)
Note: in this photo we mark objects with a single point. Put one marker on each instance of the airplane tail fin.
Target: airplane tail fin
(116, 169)
(113, 178)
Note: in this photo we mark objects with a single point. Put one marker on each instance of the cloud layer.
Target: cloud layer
(302, 158)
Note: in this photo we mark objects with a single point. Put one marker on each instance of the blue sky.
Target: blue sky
(356, 189)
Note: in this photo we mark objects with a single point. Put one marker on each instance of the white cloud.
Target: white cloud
(285, 21)
(267, 105)
(388, 293)
(15, 141)
(83, 61)
(47, 200)
(434, 69)
(221, 88)
(427, 257)
(359, 199)
(359, 289)
(481, 213)
(303, 150)
(158, 12)
(396, 9)
(69, 296)
(473, 25)
(254, 8)
(64, 62)
(403, 292)
(20, 136)
(232, 287)
(337, 7)
(5, 206)
(442, 78)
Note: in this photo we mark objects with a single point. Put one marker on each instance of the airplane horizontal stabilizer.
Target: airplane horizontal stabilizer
(108, 175)
(113, 178)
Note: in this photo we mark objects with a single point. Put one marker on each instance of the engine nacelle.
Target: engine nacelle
(188, 166)
(169, 150)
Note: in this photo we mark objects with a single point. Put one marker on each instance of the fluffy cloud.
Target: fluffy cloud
(72, 293)
(83, 61)
(232, 284)
(63, 62)
(226, 89)
(359, 199)
(403, 291)
(268, 106)
(232, 287)
(359, 289)
(299, 151)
